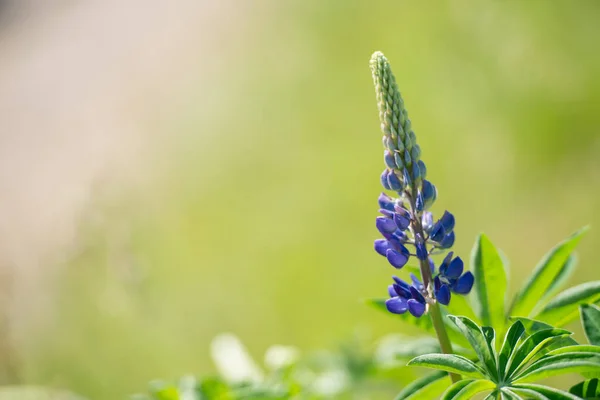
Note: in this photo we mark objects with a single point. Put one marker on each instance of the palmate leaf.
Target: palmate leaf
(559, 365)
(532, 326)
(479, 343)
(544, 275)
(589, 389)
(549, 393)
(531, 346)
(449, 363)
(590, 319)
(490, 282)
(467, 388)
(564, 308)
(561, 278)
(515, 332)
(427, 387)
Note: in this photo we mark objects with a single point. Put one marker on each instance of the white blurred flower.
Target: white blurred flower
(277, 356)
(233, 361)
(330, 383)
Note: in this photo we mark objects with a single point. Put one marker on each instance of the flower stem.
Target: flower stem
(434, 307)
(440, 329)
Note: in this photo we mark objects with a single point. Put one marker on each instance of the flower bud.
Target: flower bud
(386, 202)
(427, 221)
(398, 160)
(388, 158)
(384, 180)
(394, 182)
(422, 168)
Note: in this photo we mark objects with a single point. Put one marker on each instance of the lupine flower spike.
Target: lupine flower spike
(405, 222)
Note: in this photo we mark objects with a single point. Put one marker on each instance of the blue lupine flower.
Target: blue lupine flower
(451, 274)
(405, 221)
(405, 297)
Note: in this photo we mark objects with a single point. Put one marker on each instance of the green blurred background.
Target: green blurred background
(235, 179)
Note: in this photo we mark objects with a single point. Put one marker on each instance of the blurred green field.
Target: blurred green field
(258, 217)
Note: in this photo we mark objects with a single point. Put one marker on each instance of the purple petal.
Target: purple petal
(398, 260)
(464, 284)
(415, 308)
(437, 232)
(447, 221)
(402, 291)
(386, 213)
(416, 282)
(455, 269)
(401, 221)
(420, 203)
(391, 291)
(381, 246)
(396, 305)
(444, 265)
(394, 182)
(443, 295)
(384, 180)
(437, 284)
(385, 225)
(420, 248)
(447, 241)
(386, 202)
(416, 295)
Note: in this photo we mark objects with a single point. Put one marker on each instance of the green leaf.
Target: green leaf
(560, 364)
(530, 394)
(580, 348)
(549, 392)
(590, 318)
(515, 332)
(531, 346)
(455, 388)
(544, 275)
(490, 282)
(532, 326)
(564, 308)
(450, 363)
(427, 387)
(509, 394)
(479, 343)
(460, 306)
(587, 389)
(460, 391)
(563, 275)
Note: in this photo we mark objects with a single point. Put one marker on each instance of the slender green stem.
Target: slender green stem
(434, 307)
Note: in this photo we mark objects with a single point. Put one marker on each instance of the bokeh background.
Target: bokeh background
(173, 170)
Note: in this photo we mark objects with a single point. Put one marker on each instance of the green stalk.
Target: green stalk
(434, 307)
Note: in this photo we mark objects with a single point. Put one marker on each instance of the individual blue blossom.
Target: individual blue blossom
(405, 297)
(451, 275)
